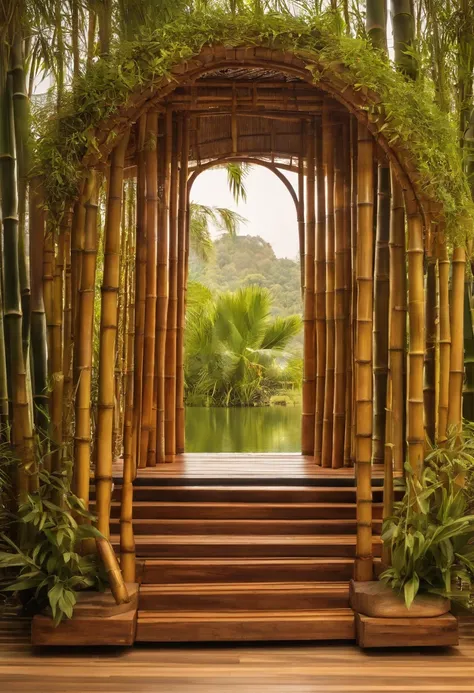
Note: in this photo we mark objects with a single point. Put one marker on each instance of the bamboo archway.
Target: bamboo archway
(259, 103)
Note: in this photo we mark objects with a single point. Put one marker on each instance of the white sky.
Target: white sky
(269, 210)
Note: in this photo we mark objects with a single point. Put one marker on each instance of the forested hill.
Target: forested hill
(246, 260)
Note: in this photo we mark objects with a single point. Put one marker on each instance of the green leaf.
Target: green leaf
(410, 590)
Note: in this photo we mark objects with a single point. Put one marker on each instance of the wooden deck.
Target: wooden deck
(258, 467)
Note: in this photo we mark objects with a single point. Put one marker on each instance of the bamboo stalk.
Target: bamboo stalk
(68, 397)
(444, 338)
(85, 334)
(339, 414)
(397, 325)
(320, 297)
(300, 209)
(172, 316)
(353, 136)
(456, 367)
(108, 334)
(128, 455)
(415, 427)
(348, 298)
(381, 310)
(431, 329)
(77, 248)
(151, 201)
(163, 285)
(363, 354)
(308, 415)
(140, 295)
(182, 214)
(116, 581)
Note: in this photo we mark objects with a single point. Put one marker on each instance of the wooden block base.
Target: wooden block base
(438, 631)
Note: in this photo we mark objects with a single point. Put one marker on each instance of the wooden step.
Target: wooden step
(146, 510)
(280, 596)
(206, 626)
(252, 546)
(245, 494)
(194, 570)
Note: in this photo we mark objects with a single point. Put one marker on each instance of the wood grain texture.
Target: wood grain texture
(438, 631)
(116, 630)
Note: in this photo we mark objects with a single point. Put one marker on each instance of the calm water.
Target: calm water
(243, 429)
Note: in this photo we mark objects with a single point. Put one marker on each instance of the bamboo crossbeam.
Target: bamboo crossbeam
(320, 297)
(307, 436)
(328, 167)
(108, 338)
(363, 353)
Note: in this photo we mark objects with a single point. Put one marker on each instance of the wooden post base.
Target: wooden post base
(97, 621)
(437, 631)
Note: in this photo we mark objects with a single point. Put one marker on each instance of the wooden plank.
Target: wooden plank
(97, 631)
(439, 631)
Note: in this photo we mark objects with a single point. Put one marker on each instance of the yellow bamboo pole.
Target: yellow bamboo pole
(416, 322)
(140, 295)
(307, 435)
(108, 336)
(56, 356)
(456, 368)
(363, 355)
(339, 412)
(85, 333)
(320, 296)
(328, 167)
(114, 574)
(163, 286)
(431, 332)
(172, 316)
(300, 207)
(348, 327)
(353, 136)
(444, 337)
(151, 201)
(182, 214)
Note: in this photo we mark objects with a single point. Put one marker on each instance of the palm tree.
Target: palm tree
(202, 219)
(235, 349)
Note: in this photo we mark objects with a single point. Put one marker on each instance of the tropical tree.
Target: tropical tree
(236, 351)
(203, 218)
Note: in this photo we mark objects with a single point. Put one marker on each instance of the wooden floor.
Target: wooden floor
(307, 668)
(262, 466)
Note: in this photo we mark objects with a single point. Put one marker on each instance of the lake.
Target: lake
(243, 429)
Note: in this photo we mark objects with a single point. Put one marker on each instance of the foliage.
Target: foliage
(235, 351)
(405, 111)
(247, 260)
(431, 533)
(202, 218)
(48, 567)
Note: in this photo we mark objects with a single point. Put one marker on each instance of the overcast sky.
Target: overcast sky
(269, 210)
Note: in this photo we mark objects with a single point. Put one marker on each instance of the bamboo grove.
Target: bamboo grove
(99, 319)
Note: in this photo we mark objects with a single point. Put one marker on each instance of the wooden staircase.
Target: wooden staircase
(230, 560)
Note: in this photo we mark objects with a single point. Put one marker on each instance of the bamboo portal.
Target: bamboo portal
(182, 217)
(108, 335)
(339, 419)
(363, 352)
(328, 168)
(307, 437)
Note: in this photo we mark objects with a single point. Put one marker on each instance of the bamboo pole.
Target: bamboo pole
(151, 201)
(77, 248)
(363, 354)
(56, 356)
(39, 350)
(300, 213)
(348, 297)
(320, 296)
(182, 215)
(85, 334)
(108, 334)
(339, 414)
(140, 295)
(397, 325)
(128, 455)
(444, 338)
(353, 135)
(328, 167)
(381, 310)
(172, 316)
(68, 397)
(431, 332)
(456, 367)
(163, 285)
(115, 578)
(416, 322)
(307, 435)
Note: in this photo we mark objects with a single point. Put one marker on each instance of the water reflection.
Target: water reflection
(245, 429)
